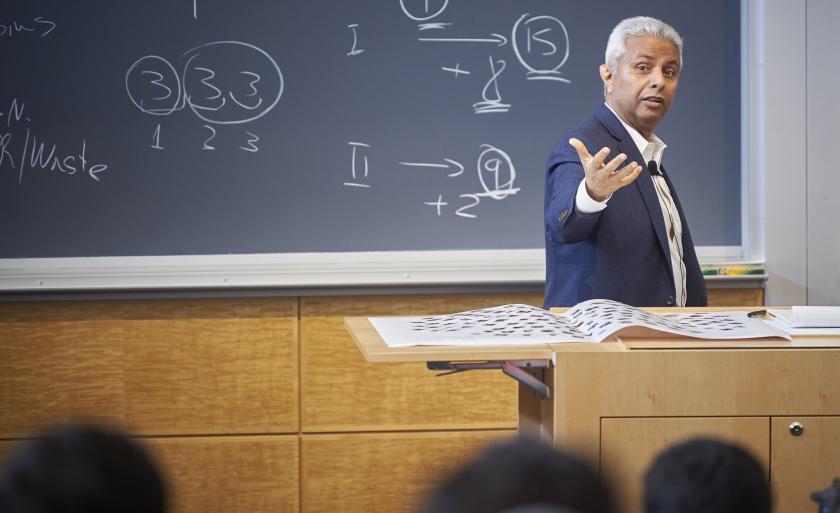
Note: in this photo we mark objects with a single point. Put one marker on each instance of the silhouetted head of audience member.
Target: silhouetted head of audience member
(522, 474)
(706, 476)
(81, 469)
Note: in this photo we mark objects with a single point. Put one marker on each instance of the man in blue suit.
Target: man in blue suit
(613, 229)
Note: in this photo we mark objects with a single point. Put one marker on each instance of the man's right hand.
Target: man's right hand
(604, 179)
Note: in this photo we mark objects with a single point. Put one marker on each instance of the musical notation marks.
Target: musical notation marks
(496, 173)
(424, 11)
(541, 44)
(354, 51)
(221, 83)
(492, 99)
(359, 165)
(456, 71)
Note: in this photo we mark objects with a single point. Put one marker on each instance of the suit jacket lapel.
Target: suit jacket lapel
(644, 183)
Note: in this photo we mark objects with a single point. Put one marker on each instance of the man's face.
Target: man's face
(641, 89)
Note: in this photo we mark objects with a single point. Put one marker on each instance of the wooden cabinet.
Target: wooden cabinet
(804, 463)
(619, 404)
(629, 445)
(797, 464)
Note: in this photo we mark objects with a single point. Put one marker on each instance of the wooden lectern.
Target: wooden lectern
(620, 402)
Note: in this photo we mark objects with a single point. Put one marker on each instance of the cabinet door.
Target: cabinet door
(629, 445)
(803, 463)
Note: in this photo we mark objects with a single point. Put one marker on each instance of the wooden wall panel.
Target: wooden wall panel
(178, 369)
(629, 445)
(242, 474)
(736, 297)
(158, 367)
(382, 473)
(342, 392)
(246, 474)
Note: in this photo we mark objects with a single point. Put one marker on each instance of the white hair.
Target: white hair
(635, 27)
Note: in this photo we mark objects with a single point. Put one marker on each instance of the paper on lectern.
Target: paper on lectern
(591, 321)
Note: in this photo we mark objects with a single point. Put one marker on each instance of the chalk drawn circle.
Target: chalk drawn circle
(525, 28)
(496, 172)
(427, 17)
(153, 86)
(230, 82)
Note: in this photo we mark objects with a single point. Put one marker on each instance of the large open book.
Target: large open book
(591, 321)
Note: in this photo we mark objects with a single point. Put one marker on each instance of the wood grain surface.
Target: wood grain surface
(736, 297)
(383, 472)
(803, 464)
(343, 392)
(240, 474)
(629, 446)
(158, 367)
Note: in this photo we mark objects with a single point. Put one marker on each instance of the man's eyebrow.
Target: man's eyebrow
(647, 57)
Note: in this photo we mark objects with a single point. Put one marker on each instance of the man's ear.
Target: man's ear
(606, 77)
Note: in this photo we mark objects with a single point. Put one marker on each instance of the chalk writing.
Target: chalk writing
(492, 98)
(156, 137)
(354, 50)
(437, 204)
(206, 145)
(497, 39)
(450, 164)
(541, 44)
(463, 210)
(39, 26)
(424, 11)
(221, 83)
(359, 174)
(153, 86)
(207, 78)
(496, 173)
(251, 143)
(456, 71)
(38, 154)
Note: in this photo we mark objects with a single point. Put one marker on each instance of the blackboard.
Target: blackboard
(208, 127)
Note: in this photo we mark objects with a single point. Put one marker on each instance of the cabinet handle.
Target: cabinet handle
(796, 428)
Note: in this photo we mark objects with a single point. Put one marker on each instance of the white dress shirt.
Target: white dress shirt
(650, 150)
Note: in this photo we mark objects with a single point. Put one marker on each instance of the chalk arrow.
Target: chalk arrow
(451, 164)
(499, 39)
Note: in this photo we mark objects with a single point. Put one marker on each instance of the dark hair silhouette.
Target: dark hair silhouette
(81, 469)
(522, 473)
(706, 476)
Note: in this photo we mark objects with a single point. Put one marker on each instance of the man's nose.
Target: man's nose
(656, 78)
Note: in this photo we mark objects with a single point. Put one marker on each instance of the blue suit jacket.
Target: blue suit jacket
(620, 253)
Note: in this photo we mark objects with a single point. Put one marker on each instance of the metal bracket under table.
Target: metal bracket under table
(513, 368)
